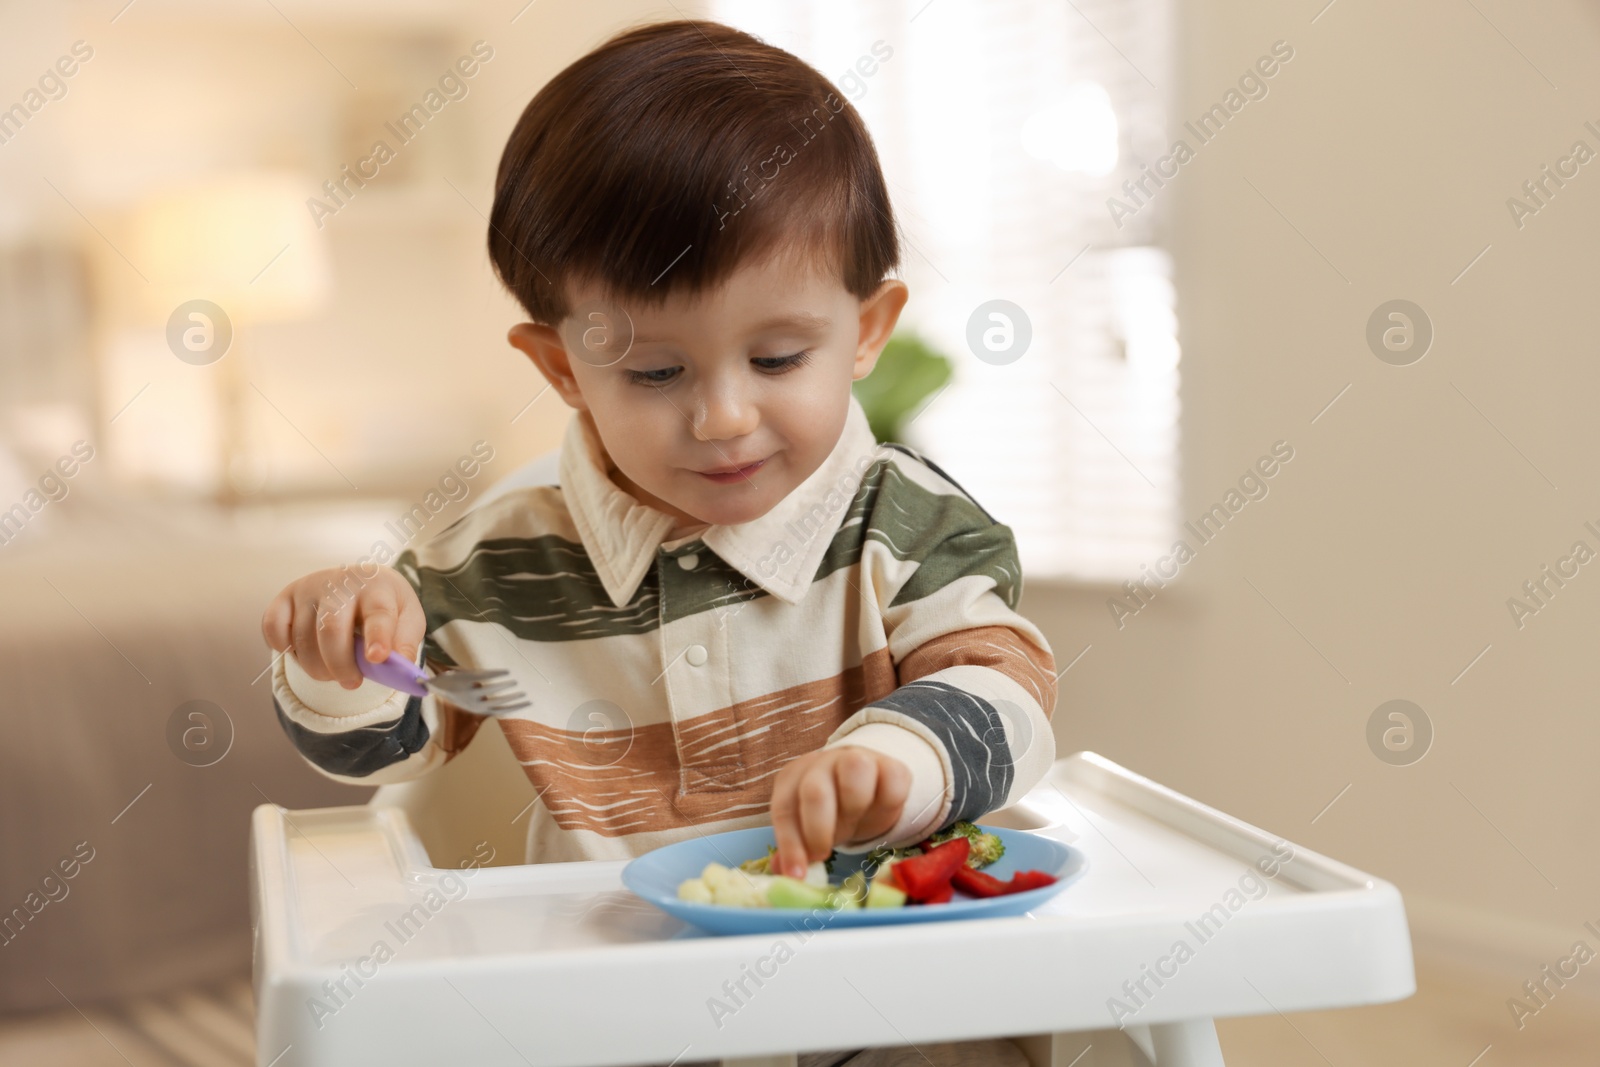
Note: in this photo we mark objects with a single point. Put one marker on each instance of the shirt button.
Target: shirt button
(690, 561)
(696, 655)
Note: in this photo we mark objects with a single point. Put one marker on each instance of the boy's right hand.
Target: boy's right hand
(317, 618)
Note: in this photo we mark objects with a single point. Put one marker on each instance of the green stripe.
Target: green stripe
(547, 589)
(540, 588)
(712, 586)
(948, 533)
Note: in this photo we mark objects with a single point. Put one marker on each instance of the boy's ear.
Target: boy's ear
(879, 314)
(543, 345)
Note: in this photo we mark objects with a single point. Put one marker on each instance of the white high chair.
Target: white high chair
(448, 807)
(384, 934)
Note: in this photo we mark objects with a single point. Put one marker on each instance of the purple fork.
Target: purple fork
(491, 692)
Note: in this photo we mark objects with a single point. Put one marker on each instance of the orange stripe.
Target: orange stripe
(630, 780)
(999, 647)
(456, 728)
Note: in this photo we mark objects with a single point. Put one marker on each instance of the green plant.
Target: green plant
(908, 370)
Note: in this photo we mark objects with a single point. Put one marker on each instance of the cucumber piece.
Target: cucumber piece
(854, 889)
(839, 900)
(883, 895)
(786, 892)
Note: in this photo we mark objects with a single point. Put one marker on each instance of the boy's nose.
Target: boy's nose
(721, 414)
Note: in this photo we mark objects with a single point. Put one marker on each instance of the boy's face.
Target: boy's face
(710, 384)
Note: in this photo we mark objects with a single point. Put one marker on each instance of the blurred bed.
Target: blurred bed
(116, 614)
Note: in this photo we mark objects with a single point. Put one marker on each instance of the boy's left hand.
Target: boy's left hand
(834, 795)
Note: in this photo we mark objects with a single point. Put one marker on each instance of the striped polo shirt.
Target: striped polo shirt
(673, 674)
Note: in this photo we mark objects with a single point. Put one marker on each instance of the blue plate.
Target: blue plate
(656, 875)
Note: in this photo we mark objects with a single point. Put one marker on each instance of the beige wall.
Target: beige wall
(1393, 538)
(406, 364)
(1392, 541)
(1389, 544)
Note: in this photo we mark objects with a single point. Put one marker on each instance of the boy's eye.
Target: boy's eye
(781, 362)
(652, 377)
(768, 363)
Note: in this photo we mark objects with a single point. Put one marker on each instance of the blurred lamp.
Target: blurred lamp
(234, 252)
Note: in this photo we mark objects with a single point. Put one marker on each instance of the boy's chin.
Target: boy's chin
(725, 513)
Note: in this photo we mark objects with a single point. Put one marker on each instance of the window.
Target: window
(1004, 127)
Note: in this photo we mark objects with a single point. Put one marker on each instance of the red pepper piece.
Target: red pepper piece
(923, 876)
(941, 896)
(978, 883)
(1022, 881)
(888, 878)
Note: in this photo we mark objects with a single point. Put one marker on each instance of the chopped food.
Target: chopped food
(929, 873)
(740, 888)
(723, 885)
(816, 874)
(763, 865)
(854, 888)
(786, 892)
(695, 891)
(924, 876)
(880, 857)
(985, 847)
(883, 894)
(977, 883)
(1023, 881)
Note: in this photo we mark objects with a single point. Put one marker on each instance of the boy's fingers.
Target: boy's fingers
(818, 806)
(303, 631)
(411, 625)
(275, 622)
(785, 828)
(336, 641)
(894, 787)
(377, 631)
(894, 784)
(855, 775)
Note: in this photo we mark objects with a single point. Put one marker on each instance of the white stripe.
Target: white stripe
(769, 646)
(963, 604)
(536, 511)
(303, 714)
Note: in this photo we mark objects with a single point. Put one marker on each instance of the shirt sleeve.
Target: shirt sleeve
(371, 735)
(977, 685)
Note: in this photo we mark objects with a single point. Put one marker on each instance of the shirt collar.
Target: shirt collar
(779, 551)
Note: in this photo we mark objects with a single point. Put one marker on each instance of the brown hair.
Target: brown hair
(671, 154)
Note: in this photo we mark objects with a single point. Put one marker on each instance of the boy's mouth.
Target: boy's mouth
(729, 475)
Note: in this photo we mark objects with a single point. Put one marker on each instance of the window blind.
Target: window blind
(1004, 128)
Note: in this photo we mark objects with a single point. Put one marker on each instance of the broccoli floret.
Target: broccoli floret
(985, 848)
(879, 856)
(763, 864)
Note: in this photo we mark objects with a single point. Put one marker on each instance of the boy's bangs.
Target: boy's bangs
(674, 154)
(636, 264)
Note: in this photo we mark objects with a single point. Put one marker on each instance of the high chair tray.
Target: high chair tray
(365, 953)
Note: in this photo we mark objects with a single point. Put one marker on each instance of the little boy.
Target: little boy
(737, 607)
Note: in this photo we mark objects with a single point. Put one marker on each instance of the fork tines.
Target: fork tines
(485, 692)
